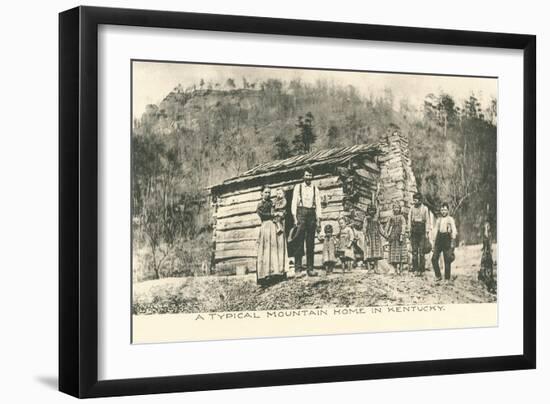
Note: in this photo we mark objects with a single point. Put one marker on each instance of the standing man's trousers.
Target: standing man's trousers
(442, 245)
(418, 234)
(306, 228)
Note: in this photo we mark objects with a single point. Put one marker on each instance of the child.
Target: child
(373, 239)
(359, 243)
(346, 239)
(279, 210)
(395, 231)
(329, 249)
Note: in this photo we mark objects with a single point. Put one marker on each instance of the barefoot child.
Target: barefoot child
(346, 239)
(373, 239)
(329, 249)
(279, 210)
(395, 231)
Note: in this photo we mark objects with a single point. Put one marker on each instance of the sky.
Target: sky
(152, 81)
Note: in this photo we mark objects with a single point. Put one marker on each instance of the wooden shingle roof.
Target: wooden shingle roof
(317, 159)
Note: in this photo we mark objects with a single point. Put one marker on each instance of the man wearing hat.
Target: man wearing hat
(306, 209)
(419, 227)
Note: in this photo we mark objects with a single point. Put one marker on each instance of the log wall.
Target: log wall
(237, 224)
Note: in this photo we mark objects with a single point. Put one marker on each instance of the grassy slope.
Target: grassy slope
(212, 294)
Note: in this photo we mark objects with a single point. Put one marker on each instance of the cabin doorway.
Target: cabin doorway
(289, 219)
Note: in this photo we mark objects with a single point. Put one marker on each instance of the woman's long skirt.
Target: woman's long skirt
(272, 255)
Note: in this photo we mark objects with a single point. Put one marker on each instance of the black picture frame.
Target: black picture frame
(78, 200)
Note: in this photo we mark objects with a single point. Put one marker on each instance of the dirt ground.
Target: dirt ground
(355, 289)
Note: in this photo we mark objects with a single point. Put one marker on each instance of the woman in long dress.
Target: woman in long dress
(272, 262)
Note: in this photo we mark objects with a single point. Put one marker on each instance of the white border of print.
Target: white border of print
(118, 359)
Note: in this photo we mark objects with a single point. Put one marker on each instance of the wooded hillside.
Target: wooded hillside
(200, 137)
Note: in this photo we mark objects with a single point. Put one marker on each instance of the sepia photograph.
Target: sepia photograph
(284, 201)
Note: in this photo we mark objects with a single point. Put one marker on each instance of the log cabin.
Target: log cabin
(349, 179)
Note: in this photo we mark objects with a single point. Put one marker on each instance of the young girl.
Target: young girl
(373, 239)
(346, 239)
(329, 249)
(359, 244)
(395, 231)
(279, 210)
